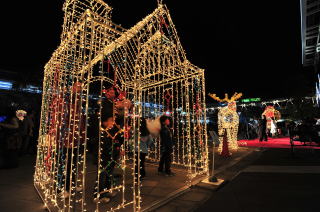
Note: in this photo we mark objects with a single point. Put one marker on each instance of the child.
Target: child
(166, 148)
(111, 141)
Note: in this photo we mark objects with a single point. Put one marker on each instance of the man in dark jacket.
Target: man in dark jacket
(263, 129)
(166, 147)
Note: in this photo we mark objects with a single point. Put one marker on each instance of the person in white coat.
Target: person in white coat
(273, 130)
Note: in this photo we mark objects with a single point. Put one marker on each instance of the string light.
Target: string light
(275, 102)
(144, 63)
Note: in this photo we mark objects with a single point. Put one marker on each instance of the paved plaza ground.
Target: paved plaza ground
(18, 194)
(276, 181)
(255, 180)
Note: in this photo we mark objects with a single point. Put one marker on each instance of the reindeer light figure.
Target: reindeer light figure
(228, 120)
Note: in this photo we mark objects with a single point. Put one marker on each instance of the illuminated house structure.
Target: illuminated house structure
(147, 65)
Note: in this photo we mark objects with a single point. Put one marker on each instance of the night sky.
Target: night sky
(250, 47)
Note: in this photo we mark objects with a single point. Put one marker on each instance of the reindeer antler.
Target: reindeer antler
(235, 97)
(213, 96)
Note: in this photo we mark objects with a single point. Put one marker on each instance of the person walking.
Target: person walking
(166, 147)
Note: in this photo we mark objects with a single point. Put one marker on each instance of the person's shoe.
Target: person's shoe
(170, 174)
(161, 172)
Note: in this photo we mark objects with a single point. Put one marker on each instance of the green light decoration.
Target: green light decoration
(251, 100)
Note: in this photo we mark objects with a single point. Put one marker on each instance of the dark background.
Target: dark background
(245, 46)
